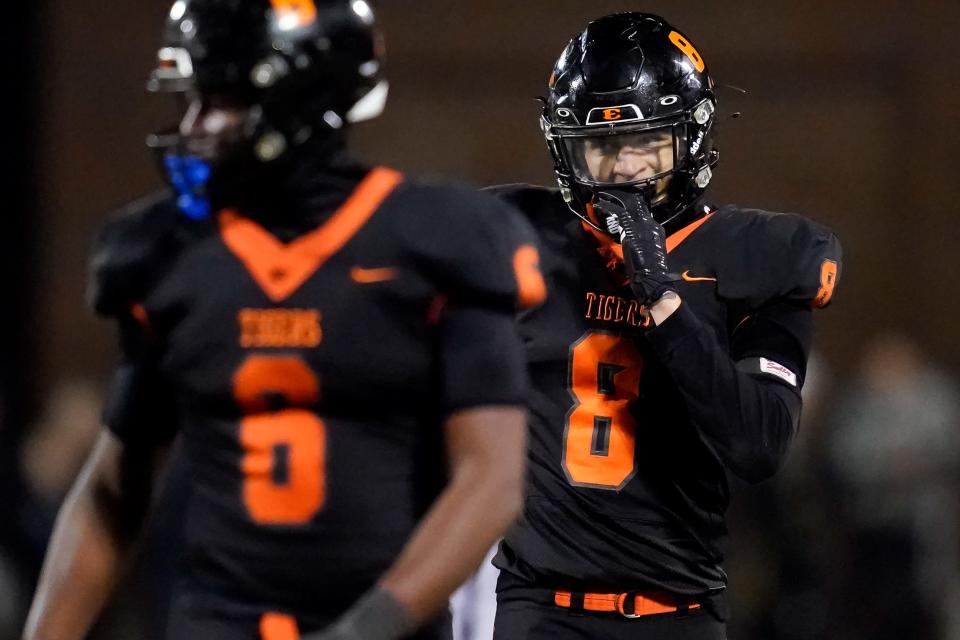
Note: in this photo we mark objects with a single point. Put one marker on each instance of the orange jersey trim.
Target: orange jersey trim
(278, 626)
(280, 269)
(610, 251)
(607, 245)
(675, 239)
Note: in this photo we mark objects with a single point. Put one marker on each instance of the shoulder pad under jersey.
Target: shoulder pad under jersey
(764, 256)
(533, 200)
(477, 247)
(131, 251)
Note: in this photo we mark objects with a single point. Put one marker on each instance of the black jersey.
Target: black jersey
(633, 428)
(309, 379)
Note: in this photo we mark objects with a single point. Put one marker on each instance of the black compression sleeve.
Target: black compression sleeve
(746, 413)
(482, 358)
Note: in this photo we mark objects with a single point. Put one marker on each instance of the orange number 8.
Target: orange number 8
(684, 45)
(600, 437)
(285, 450)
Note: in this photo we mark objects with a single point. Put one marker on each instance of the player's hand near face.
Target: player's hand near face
(644, 250)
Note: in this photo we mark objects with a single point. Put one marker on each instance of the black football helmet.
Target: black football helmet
(631, 104)
(296, 70)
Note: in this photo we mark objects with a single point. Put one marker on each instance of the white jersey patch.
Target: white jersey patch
(776, 369)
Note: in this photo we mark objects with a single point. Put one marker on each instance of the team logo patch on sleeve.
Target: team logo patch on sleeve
(776, 369)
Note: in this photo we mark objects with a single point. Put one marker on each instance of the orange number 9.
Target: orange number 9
(600, 436)
(284, 449)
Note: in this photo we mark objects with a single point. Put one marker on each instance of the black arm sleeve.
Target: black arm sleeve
(141, 409)
(482, 358)
(746, 412)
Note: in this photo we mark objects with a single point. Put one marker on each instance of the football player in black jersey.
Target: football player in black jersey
(671, 352)
(335, 345)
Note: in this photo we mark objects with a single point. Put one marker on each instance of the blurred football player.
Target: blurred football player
(672, 349)
(335, 345)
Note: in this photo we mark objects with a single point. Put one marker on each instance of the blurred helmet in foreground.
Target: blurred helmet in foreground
(260, 78)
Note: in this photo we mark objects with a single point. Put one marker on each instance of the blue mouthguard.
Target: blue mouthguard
(189, 176)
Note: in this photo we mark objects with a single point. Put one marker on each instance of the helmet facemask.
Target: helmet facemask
(646, 156)
(623, 157)
(220, 140)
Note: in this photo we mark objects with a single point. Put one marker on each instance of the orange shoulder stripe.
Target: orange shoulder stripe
(676, 238)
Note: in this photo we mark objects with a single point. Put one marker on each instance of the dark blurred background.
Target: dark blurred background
(849, 117)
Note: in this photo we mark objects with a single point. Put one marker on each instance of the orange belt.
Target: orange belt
(644, 604)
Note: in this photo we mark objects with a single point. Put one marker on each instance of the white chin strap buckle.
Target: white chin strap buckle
(704, 177)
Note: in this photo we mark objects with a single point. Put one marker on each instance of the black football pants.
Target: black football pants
(524, 614)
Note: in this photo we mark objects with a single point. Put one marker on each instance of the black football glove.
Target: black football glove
(643, 241)
(375, 616)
